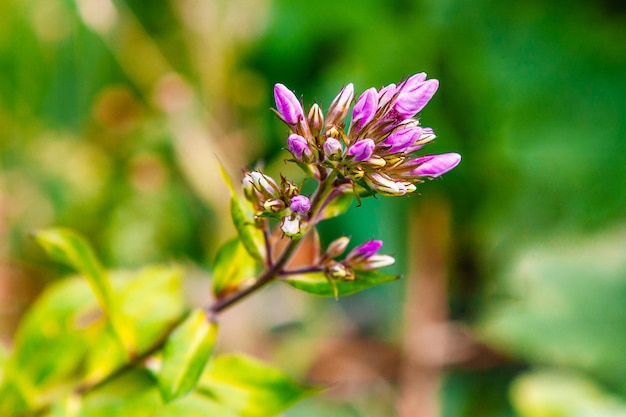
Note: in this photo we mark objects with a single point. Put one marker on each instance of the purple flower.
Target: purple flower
(364, 110)
(365, 250)
(435, 165)
(332, 148)
(287, 104)
(362, 150)
(401, 140)
(300, 204)
(414, 94)
(299, 147)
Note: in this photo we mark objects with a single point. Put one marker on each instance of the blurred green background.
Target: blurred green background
(113, 115)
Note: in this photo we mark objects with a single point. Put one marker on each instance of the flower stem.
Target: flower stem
(274, 269)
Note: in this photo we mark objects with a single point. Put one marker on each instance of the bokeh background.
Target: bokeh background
(114, 113)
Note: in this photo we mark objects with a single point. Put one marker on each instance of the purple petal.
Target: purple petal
(300, 204)
(332, 148)
(401, 140)
(435, 165)
(362, 150)
(364, 110)
(364, 251)
(414, 97)
(298, 146)
(287, 104)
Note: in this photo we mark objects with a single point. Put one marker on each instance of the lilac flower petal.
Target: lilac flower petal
(364, 110)
(435, 165)
(287, 104)
(332, 148)
(299, 147)
(362, 150)
(401, 139)
(300, 204)
(413, 81)
(365, 251)
(414, 97)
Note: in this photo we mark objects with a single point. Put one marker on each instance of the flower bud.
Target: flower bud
(287, 105)
(289, 188)
(264, 184)
(300, 204)
(364, 110)
(401, 140)
(414, 95)
(337, 247)
(362, 150)
(340, 272)
(316, 119)
(376, 262)
(274, 205)
(435, 165)
(339, 107)
(332, 149)
(248, 189)
(385, 185)
(385, 94)
(364, 251)
(299, 147)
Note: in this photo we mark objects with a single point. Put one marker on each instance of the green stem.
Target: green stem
(275, 269)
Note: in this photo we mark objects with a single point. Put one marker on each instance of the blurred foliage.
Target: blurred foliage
(112, 113)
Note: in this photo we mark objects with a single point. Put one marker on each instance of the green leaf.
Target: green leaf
(337, 206)
(551, 393)
(243, 219)
(69, 248)
(185, 355)
(195, 405)
(134, 393)
(317, 283)
(233, 264)
(250, 387)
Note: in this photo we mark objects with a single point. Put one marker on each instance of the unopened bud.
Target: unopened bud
(299, 147)
(376, 262)
(340, 106)
(435, 165)
(316, 119)
(340, 272)
(414, 94)
(362, 150)
(364, 110)
(300, 204)
(337, 247)
(385, 185)
(274, 205)
(333, 149)
(264, 184)
(289, 188)
(287, 105)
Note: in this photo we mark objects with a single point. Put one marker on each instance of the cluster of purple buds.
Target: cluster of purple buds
(362, 258)
(271, 200)
(377, 150)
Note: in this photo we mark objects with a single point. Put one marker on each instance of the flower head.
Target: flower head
(377, 152)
